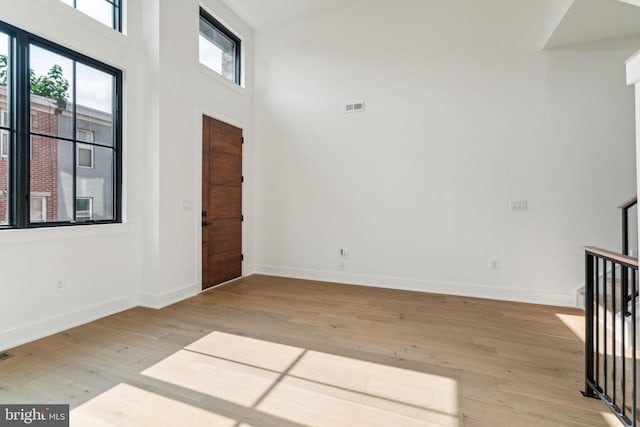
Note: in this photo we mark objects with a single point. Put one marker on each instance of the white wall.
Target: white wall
(153, 258)
(463, 114)
(633, 78)
(187, 90)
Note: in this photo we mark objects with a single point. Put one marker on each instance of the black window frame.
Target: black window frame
(233, 37)
(19, 102)
(117, 13)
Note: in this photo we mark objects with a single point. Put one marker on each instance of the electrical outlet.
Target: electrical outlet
(495, 264)
(343, 253)
(60, 285)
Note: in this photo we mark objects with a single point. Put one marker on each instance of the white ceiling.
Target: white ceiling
(263, 13)
(592, 20)
(581, 22)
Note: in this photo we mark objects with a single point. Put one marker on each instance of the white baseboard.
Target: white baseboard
(163, 300)
(53, 325)
(42, 328)
(420, 285)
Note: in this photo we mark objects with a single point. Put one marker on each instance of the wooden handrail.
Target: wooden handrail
(612, 255)
(626, 205)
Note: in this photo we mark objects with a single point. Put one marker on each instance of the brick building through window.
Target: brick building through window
(51, 162)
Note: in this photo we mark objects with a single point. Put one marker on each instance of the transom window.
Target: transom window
(61, 162)
(219, 48)
(106, 11)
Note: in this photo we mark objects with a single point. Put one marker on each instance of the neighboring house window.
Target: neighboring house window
(4, 134)
(106, 11)
(69, 141)
(84, 209)
(219, 48)
(85, 156)
(84, 135)
(4, 144)
(38, 207)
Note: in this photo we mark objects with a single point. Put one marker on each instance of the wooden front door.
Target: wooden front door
(221, 202)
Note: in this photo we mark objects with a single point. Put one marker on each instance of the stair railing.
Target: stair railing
(610, 331)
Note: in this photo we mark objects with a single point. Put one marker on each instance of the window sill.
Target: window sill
(218, 78)
(10, 236)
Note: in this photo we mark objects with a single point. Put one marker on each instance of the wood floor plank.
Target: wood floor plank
(268, 351)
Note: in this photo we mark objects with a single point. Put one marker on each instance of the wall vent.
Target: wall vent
(356, 107)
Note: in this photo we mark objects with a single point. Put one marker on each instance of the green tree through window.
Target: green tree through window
(53, 85)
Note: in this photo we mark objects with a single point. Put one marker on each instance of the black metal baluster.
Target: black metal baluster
(625, 231)
(597, 321)
(633, 347)
(616, 386)
(604, 329)
(613, 334)
(624, 274)
(588, 342)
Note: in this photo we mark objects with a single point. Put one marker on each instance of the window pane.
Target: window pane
(51, 93)
(72, 153)
(97, 9)
(52, 177)
(95, 105)
(4, 177)
(4, 134)
(4, 79)
(97, 183)
(217, 51)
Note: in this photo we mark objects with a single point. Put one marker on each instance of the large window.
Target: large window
(106, 11)
(219, 48)
(60, 117)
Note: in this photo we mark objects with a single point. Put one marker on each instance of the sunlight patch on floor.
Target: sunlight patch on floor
(574, 323)
(274, 381)
(128, 406)
(235, 382)
(250, 351)
(610, 419)
(313, 404)
(308, 387)
(386, 382)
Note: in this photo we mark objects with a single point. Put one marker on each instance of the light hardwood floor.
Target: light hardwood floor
(265, 351)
